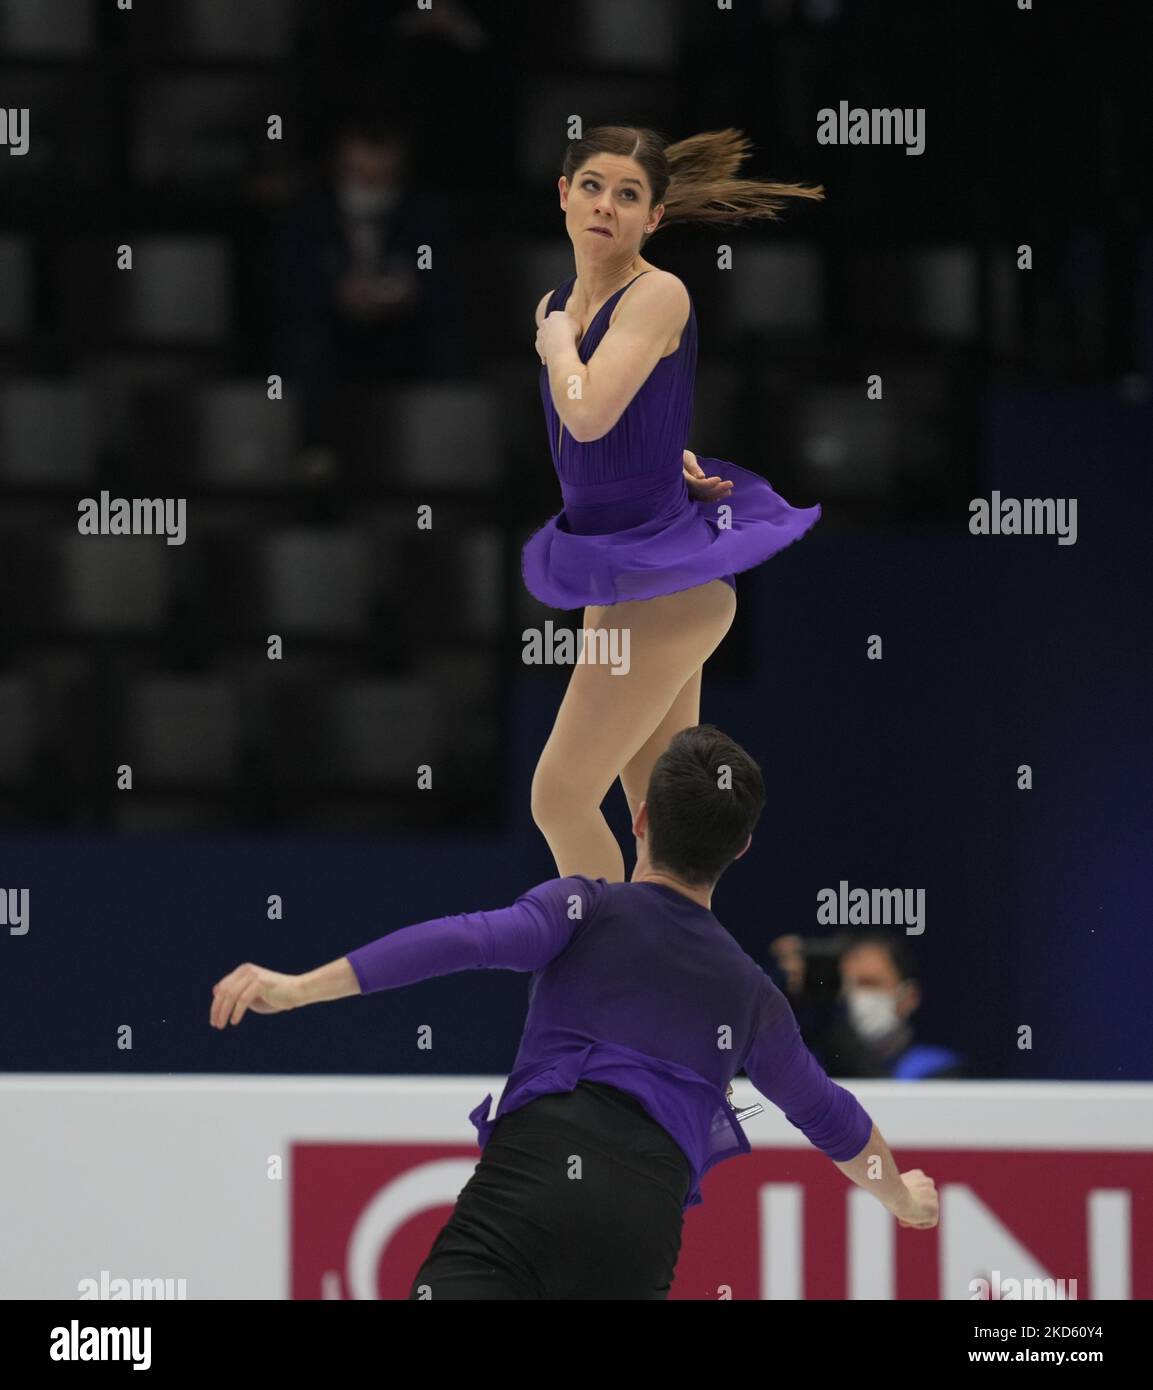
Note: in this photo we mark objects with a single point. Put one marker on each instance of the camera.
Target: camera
(819, 959)
(822, 966)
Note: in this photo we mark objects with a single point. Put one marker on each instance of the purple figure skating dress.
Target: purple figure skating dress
(630, 528)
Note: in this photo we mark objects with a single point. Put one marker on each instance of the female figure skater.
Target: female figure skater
(649, 540)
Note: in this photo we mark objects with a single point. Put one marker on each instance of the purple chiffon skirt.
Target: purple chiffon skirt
(581, 556)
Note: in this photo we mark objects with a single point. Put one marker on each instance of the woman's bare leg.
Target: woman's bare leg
(684, 712)
(605, 720)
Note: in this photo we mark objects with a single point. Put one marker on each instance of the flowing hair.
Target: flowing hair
(697, 179)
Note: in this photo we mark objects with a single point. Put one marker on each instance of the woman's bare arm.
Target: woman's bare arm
(648, 317)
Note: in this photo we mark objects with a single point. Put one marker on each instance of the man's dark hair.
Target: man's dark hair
(888, 941)
(705, 796)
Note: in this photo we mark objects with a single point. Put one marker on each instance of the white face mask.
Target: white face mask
(357, 200)
(872, 1012)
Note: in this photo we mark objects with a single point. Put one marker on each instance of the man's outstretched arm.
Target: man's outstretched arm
(525, 936)
(336, 980)
(782, 1068)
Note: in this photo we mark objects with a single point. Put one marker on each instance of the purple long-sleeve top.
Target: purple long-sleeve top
(636, 986)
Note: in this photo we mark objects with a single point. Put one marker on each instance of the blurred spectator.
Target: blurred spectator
(854, 999)
(348, 297)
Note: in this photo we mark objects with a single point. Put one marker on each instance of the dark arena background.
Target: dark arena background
(273, 265)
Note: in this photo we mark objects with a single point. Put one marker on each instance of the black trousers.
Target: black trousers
(579, 1195)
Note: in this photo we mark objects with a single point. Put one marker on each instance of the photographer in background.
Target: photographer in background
(854, 998)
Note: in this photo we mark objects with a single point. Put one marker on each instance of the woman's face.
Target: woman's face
(609, 192)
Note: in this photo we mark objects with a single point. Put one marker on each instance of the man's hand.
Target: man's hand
(920, 1209)
(790, 954)
(252, 987)
(703, 489)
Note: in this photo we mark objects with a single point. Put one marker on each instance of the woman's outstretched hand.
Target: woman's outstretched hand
(703, 489)
(252, 987)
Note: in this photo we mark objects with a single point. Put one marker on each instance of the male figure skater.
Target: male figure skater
(642, 1008)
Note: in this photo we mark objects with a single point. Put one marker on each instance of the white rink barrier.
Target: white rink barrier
(274, 1187)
